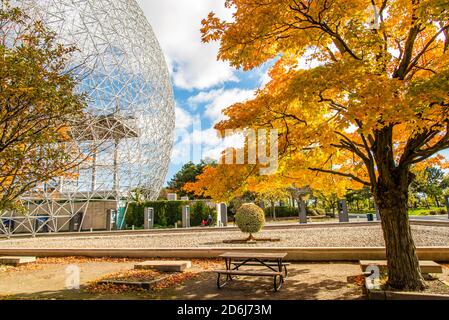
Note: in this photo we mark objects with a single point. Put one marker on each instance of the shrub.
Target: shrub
(433, 213)
(199, 212)
(250, 218)
(166, 213)
(443, 211)
(134, 215)
(287, 212)
(331, 214)
(311, 212)
(282, 212)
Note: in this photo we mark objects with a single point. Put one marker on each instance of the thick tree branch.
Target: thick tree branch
(347, 175)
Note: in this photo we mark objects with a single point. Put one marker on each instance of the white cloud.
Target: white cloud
(214, 151)
(177, 24)
(201, 143)
(265, 79)
(218, 100)
(183, 119)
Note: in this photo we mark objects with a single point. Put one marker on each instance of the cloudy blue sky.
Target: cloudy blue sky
(202, 85)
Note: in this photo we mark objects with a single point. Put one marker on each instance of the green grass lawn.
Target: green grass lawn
(425, 211)
(412, 212)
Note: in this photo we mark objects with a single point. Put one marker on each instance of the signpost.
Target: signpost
(302, 212)
(148, 215)
(111, 220)
(75, 222)
(343, 215)
(172, 197)
(447, 204)
(222, 214)
(186, 216)
(377, 213)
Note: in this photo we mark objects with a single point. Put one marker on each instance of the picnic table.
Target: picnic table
(235, 261)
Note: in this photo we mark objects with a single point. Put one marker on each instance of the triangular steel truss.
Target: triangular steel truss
(131, 110)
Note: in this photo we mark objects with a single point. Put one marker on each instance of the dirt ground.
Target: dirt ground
(319, 281)
(47, 280)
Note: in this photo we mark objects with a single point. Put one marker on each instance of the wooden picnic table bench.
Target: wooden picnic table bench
(236, 260)
(273, 264)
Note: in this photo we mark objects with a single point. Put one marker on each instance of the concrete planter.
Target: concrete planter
(398, 295)
(143, 285)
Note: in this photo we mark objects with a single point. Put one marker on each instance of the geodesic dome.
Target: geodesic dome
(131, 109)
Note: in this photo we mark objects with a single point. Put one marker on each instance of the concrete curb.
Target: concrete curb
(219, 229)
(430, 223)
(397, 295)
(193, 230)
(439, 254)
(144, 285)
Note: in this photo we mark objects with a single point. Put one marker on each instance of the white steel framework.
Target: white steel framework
(131, 110)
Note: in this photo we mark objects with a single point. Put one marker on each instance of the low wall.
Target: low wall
(193, 230)
(440, 254)
(217, 229)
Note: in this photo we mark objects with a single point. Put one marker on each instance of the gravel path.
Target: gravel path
(314, 237)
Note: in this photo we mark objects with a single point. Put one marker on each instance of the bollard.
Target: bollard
(148, 218)
(186, 216)
(343, 215)
(302, 212)
(447, 204)
(222, 215)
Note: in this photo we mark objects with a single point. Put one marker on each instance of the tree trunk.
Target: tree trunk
(403, 265)
(437, 202)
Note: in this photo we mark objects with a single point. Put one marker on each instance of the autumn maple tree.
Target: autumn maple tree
(268, 188)
(38, 107)
(359, 90)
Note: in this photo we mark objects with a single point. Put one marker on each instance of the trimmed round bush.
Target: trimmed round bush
(311, 212)
(250, 218)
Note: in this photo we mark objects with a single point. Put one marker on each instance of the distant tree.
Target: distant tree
(235, 203)
(445, 184)
(269, 189)
(430, 182)
(38, 107)
(329, 200)
(163, 194)
(188, 173)
(357, 196)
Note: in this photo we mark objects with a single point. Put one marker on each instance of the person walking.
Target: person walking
(210, 220)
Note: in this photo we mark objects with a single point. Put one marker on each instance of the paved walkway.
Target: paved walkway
(306, 281)
(320, 236)
(363, 217)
